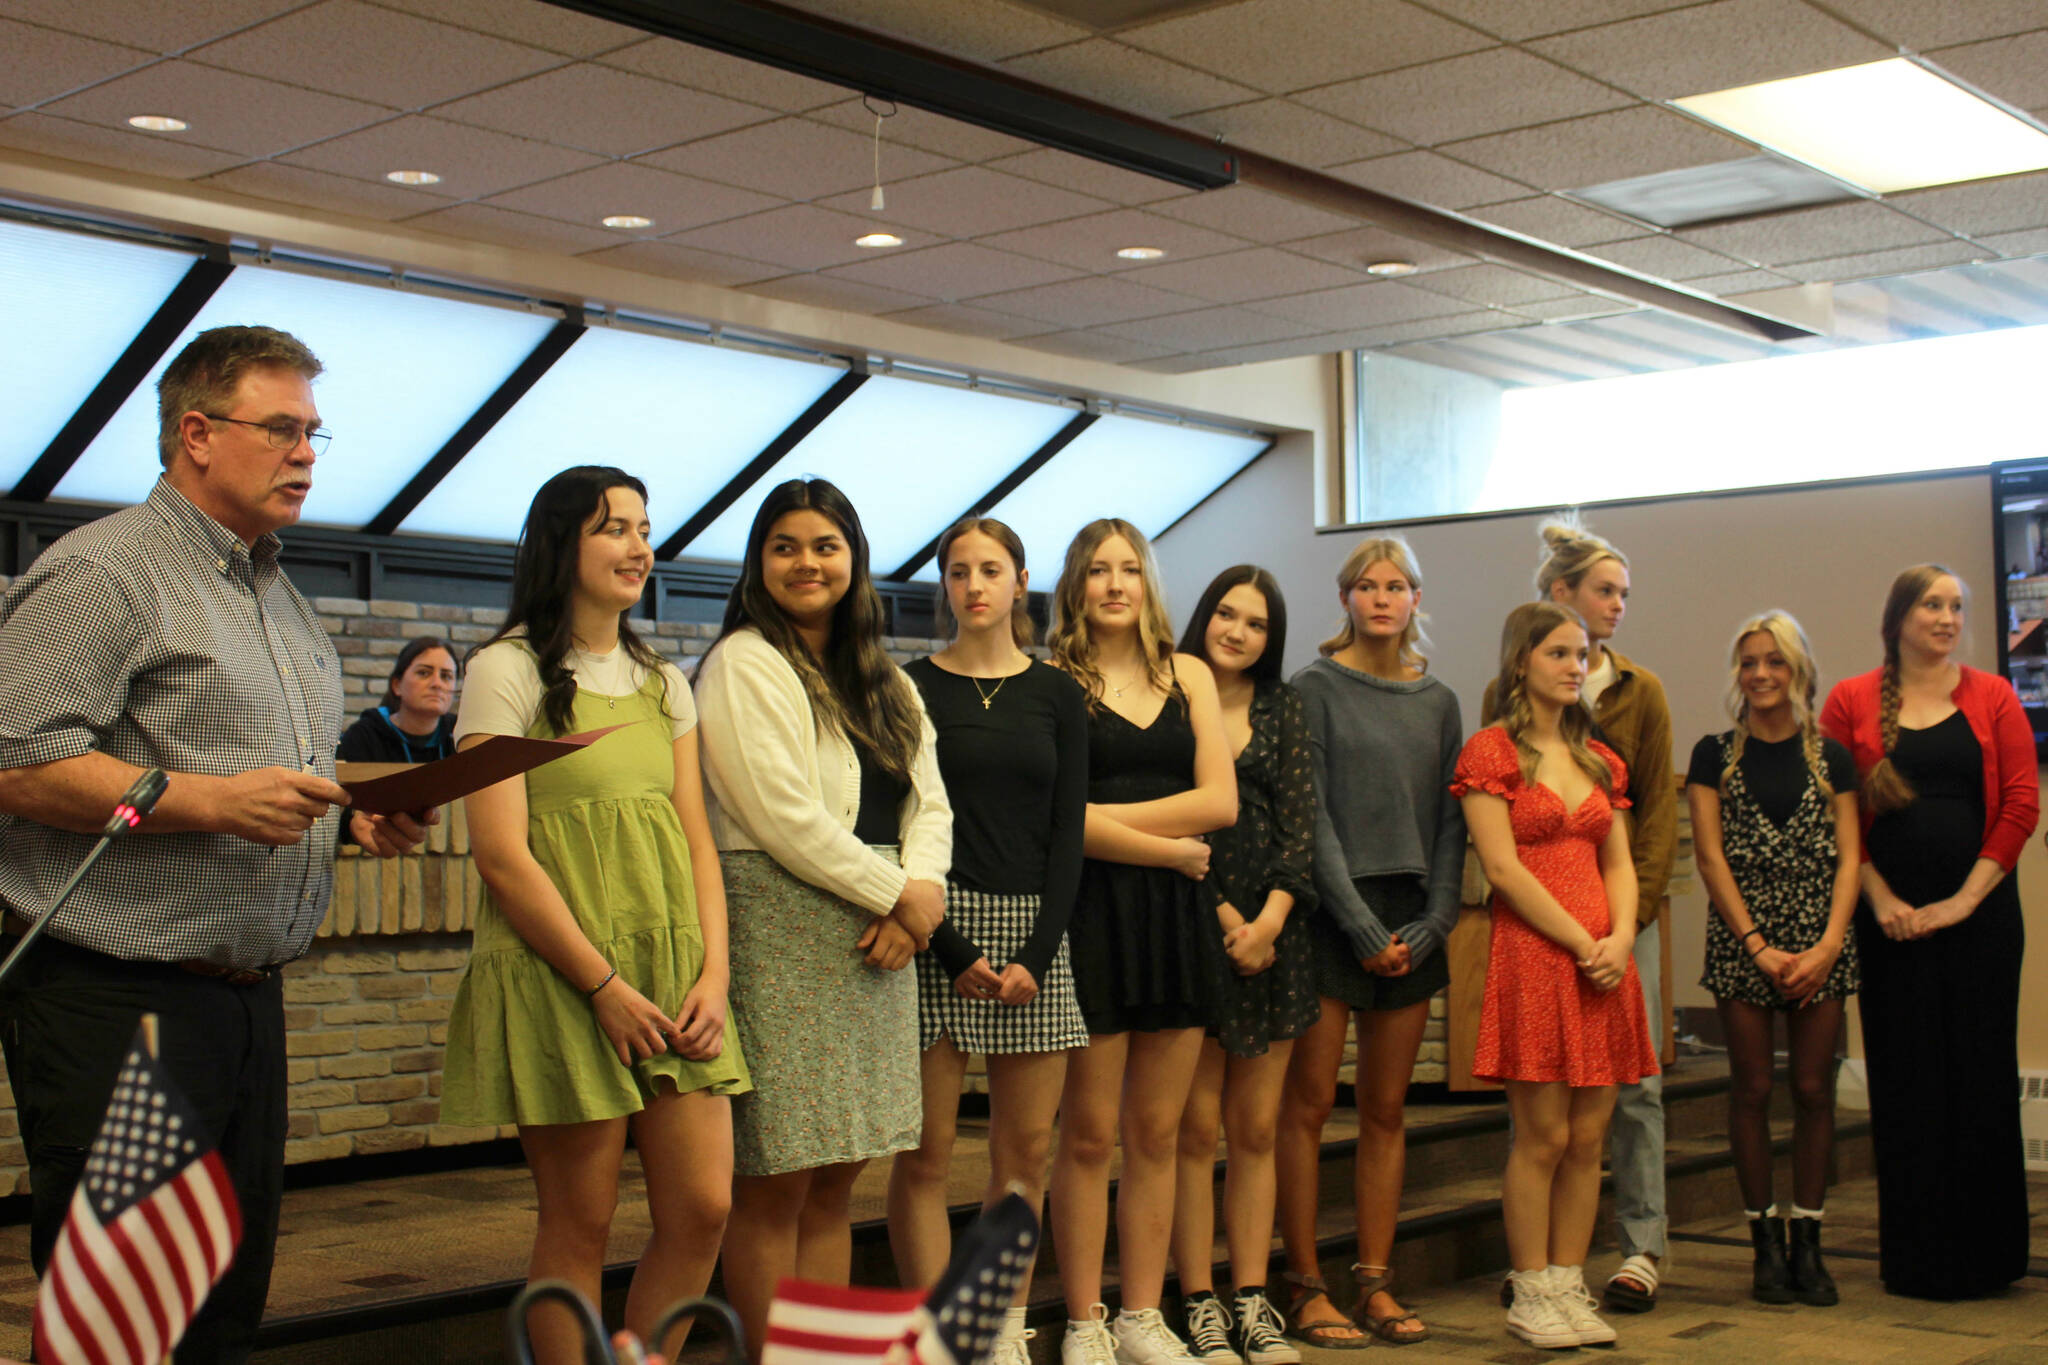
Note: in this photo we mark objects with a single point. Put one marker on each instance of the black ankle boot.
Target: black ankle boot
(1811, 1283)
(1772, 1282)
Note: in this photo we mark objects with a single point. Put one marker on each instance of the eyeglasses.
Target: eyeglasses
(284, 434)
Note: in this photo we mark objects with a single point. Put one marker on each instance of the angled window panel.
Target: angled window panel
(1149, 473)
(682, 416)
(94, 294)
(403, 371)
(909, 455)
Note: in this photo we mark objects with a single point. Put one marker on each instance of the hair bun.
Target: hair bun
(1561, 534)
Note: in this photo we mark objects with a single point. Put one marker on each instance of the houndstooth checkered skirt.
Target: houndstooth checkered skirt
(998, 925)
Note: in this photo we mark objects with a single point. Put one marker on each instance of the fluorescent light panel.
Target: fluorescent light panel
(1886, 126)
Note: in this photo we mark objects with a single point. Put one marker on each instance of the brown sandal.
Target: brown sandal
(1324, 1331)
(1375, 1279)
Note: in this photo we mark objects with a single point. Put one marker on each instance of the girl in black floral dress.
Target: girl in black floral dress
(1262, 873)
(1776, 840)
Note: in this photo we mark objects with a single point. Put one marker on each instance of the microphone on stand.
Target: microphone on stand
(134, 807)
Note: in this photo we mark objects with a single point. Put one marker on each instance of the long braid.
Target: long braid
(1741, 739)
(1887, 788)
(1816, 762)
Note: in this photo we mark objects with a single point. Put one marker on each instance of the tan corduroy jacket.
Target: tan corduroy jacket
(1635, 719)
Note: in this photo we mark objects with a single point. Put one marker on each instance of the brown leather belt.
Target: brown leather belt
(234, 976)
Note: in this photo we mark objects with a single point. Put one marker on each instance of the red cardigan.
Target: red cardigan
(2012, 783)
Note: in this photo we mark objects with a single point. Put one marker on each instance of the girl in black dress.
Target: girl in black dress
(1013, 748)
(1159, 776)
(1261, 876)
(1776, 841)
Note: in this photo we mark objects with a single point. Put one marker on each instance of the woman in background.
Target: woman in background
(411, 724)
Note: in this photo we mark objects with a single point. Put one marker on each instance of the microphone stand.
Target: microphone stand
(134, 808)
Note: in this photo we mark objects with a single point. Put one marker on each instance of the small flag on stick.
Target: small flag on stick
(153, 1226)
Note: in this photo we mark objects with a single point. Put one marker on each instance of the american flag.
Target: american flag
(153, 1226)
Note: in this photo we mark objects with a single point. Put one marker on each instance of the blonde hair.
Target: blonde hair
(1570, 550)
(1528, 626)
(1789, 640)
(1396, 551)
(1072, 647)
(1885, 787)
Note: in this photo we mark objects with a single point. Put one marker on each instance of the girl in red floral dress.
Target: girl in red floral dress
(1562, 1023)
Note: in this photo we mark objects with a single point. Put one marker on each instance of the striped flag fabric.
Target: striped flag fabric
(834, 1324)
(153, 1226)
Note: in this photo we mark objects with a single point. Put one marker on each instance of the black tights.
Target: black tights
(1813, 1031)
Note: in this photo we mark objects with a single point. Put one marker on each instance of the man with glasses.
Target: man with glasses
(167, 635)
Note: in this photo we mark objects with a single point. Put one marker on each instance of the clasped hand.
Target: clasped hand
(1013, 986)
(638, 1029)
(1606, 963)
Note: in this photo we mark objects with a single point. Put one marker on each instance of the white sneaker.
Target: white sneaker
(1013, 1348)
(1088, 1341)
(1568, 1290)
(1143, 1338)
(1535, 1316)
(1209, 1332)
(1259, 1326)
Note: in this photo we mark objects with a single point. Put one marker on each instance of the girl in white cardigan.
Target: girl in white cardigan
(835, 835)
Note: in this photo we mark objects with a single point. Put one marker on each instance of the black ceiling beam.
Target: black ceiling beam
(906, 74)
(984, 504)
(552, 347)
(169, 322)
(821, 408)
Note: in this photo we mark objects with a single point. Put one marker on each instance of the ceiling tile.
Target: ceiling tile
(969, 321)
(1666, 258)
(347, 48)
(226, 109)
(795, 159)
(149, 153)
(1254, 214)
(956, 270)
(1454, 324)
(1712, 47)
(685, 263)
(909, 127)
(1981, 206)
(2013, 69)
(1125, 78)
(1518, 19)
(1090, 302)
(797, 236)
(1482, 92)
(1101, 346)
(43, 63)
(503, 227)
(1175, 364)
(971, 201)
(1877, 264)
(1581, 306)
(2032, 242)
(700, 68)
(1291, 132)
(525, 21)
(986, 30)
(1282, 45)
(1239, 276)
(1091, 243)
(1921, 26)
(1741, 282)
(674, 202)
(1427, 178)
(603, 110)
(472, 162)
(1600, 147)
(1496, 286)
(1050, 166)
(162, 26)
(848, 296)
(1209, 329)
(1558, 221)
(1272, 350)
(1814, 234)
(1362, 305)
(1360, 247)
(328, 193)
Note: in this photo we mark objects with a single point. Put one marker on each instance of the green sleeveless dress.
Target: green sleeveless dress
(523, 1044)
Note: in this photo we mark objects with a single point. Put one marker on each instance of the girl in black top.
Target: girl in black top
(413, 724)
(1013, 749)
(1776, 839)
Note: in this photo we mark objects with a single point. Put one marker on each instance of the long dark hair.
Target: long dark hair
(855, 687)
(1023, 631)
(406, 656)
(1194, 640)
(544, 576)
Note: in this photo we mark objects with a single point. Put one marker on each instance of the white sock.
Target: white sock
(1013, 1323)
(1798, 1212)
(1753, 1215)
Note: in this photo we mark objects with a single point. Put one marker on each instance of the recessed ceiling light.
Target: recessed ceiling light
(627, 220)
(1390, 268)
(876, 239)
(412, 177)
(157, 123)
(1886, 126)
(1141, 253)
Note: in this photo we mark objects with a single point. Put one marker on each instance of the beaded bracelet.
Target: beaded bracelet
(591, 994)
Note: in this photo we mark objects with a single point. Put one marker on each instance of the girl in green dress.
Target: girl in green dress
(595, 998)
